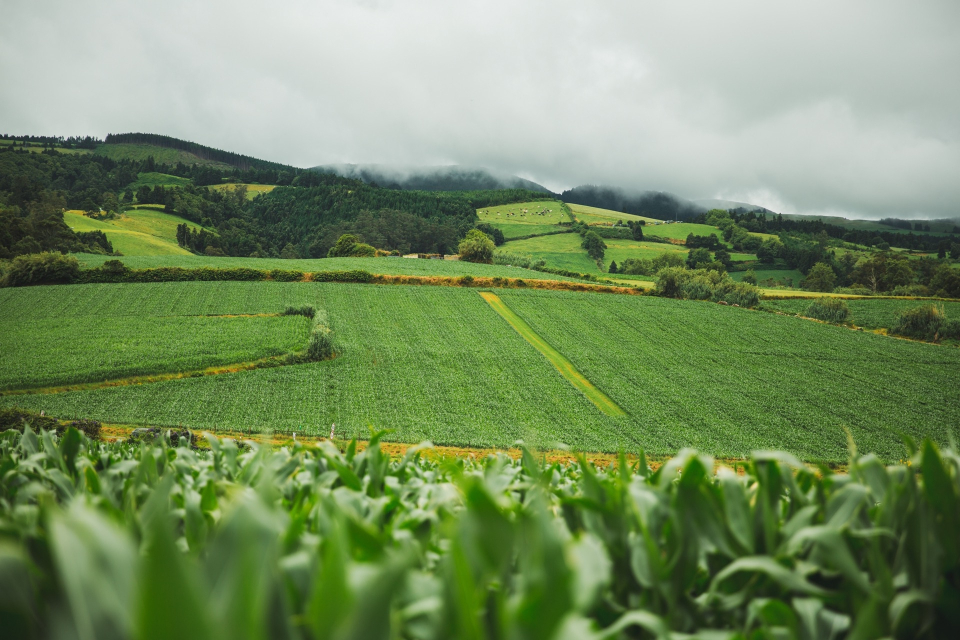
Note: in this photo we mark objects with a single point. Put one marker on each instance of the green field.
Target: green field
(525, 218)
(162, 155)
(595, 215)
(385, 266)
(868, 313)
(153, 179)
(561, 251)
(439, 363)
(137, 232)
(253, 190)
(680, 230)
(83, 347)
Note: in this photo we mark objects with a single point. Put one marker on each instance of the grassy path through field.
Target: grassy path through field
(564, 366)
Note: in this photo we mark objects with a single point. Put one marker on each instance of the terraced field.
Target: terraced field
(439, 363)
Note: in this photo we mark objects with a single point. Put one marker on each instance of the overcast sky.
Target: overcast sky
(849, 107)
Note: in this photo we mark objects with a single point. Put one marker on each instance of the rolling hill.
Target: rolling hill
(431, 178)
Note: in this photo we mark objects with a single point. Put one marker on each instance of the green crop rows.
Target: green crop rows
(151, 541)
(438, 363)
(386, 266)
(866, 312)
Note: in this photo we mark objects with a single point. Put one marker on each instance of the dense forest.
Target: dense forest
(302, 217)
(651, 204)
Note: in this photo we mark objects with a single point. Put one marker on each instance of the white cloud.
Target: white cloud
(822, 106)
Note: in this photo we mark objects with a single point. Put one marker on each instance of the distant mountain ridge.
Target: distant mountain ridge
(431, 178)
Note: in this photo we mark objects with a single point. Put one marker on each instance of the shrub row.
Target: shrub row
(926, 322)
(58, 269)
(705, 284)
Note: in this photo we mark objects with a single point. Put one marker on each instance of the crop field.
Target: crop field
(595, 215)
(48, 342)
(439, 363)
(385, 266)
(869, 313)
(253, 190)
(311, 541)
(137, 232)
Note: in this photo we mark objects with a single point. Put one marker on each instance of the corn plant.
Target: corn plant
(157, 540)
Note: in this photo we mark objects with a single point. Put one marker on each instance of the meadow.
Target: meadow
(253, 190)
(156, 179)
(522, 219)
(595, 215)
(439, 363)
(142, 231)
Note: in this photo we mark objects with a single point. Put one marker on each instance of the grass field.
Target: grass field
(386, 266)
(561, 251)
(867, 312)
(153, 179)
(595, 215)
(253, 190)
(164, 155)
(524, 218)
(35, 147)
(137, 232)
(439, 363)
(680, 230)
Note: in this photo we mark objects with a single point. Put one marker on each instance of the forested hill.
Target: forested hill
(441, 178)
(202, 153)
(311, 219)
(651, 204)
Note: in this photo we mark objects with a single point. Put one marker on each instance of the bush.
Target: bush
(285, 275)
(465, 281)
(354, 275)
(89, 428)
(705, 284)
(833, 310)
(15, 418)
(306, 311)
(476, 247)
(926, 322)
(40, 268)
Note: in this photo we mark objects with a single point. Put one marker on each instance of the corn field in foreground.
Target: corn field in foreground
(160, 541)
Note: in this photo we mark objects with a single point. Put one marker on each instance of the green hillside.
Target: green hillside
(439, 363)
(161, 155)
(143, 231)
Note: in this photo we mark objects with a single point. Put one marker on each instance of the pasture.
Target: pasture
(561, 251)
(595, 215)
(439, 363)
(155, 179)
(253, 190)
(525, 218)
(136, 232)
